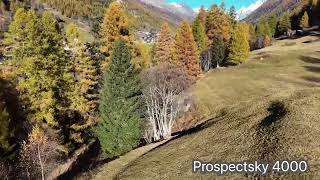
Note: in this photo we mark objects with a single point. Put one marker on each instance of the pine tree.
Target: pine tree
(118, 129)
(272, 21)
(185, 50)
(217, 24)
(284, 23)
(263, 28)
(233, 15)
(115, 27)
(304, 22)
(199, 35)
(233, 12)
(239, 46)
(163, 46)
(218, 51)
(264, 31)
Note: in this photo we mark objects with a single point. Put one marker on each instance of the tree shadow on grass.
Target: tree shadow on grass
(267, 130)
(311, 60)
(314, 69)
(87, 162)
(312, 79)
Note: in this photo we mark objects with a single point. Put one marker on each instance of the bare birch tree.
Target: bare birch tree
(163, 85)
(39, 154)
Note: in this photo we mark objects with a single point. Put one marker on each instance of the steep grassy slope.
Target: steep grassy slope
(267, 109)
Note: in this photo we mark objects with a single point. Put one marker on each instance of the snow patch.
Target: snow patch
(176, 5)
(243, 12)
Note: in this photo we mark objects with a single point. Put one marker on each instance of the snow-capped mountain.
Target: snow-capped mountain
(243, 12)
(180, 9)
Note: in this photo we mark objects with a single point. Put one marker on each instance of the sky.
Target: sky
(243, 7)
(197, 3)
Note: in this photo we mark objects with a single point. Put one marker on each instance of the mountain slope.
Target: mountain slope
(151, 14)
(146, 17)
(179, 9)
(276, 7)
(243, 12)
(267, 109)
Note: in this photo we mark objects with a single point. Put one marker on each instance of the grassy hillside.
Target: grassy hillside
(267, 109)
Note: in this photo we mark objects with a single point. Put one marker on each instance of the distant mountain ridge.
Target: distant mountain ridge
(275, 7)
(150, 15)
(179, 9)
(243, 12)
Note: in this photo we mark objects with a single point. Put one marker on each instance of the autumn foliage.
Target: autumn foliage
(185, 50)
(164, 45)
(218, 24)
(115, 26)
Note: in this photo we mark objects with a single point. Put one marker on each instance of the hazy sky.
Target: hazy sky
(197, 3)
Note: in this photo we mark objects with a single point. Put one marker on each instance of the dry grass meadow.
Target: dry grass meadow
(267, 109)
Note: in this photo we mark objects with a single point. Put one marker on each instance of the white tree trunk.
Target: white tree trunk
(40, 161)
(161, 111)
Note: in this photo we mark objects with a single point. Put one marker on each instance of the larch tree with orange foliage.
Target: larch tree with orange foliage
(164, 46)
(218, 24)
(185, 50)
(115, 26)
(202, 16)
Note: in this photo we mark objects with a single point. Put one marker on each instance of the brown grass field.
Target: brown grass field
(266, 109)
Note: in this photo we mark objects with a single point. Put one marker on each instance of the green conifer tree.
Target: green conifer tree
(263, 28)
(284, 23)
(272, 21)
(119, 124)
(233, 15)
(199, 35)
(218, 50)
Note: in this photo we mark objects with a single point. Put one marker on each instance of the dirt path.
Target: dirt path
(111, 169)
